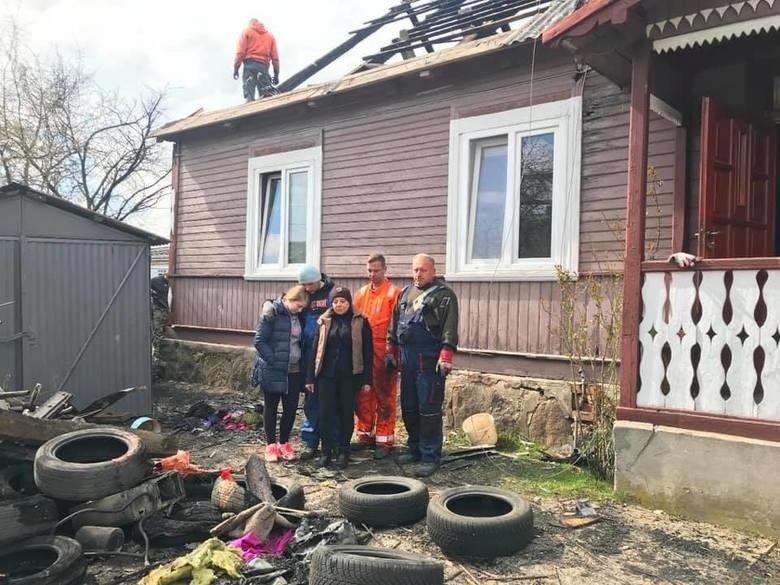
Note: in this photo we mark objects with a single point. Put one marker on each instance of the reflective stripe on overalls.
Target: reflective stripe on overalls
(422, 388)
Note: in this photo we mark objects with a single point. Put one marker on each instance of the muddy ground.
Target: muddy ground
(629, 545)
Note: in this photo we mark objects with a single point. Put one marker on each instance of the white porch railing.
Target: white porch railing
(710, 342)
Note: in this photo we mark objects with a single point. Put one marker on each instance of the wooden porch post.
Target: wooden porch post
(635, 222)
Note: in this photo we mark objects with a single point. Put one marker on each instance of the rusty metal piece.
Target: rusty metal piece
(130, 506)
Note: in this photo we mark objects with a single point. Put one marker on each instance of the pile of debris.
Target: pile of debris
(86, 492)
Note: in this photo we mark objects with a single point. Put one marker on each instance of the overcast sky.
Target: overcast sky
(188, 45)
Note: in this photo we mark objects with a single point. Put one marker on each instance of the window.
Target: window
(513, 203)
(283, 213)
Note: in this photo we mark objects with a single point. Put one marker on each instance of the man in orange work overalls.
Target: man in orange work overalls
(376, 409)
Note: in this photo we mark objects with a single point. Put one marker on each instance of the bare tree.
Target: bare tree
(61, 133)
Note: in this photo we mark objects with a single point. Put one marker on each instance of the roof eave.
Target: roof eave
(24, 190)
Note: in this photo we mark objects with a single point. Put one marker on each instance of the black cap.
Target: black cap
(342, 292)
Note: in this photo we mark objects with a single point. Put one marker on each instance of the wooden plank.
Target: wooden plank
(31, 431)
(635, 221)
(741, 427)
(678, 227)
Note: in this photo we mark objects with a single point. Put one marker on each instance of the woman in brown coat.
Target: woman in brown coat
(341, 367)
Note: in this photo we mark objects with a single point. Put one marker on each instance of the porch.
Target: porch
(698, 426)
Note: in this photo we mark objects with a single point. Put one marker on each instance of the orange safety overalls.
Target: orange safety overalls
(376, 410)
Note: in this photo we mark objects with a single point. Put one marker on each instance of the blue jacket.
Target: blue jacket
(272, 342)
(319, 302)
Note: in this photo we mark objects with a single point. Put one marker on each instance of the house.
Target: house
(698, 427)
(159, 261)
(75, 310)
(422, 155)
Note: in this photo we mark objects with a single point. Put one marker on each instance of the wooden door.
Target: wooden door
(738, 172)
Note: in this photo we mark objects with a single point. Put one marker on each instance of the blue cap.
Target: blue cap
(309, 274)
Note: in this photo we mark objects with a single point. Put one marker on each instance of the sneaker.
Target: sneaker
(381, 452)
(426, 468)
(286, 452)
(408, 457)
(272, 452)
(307, 453)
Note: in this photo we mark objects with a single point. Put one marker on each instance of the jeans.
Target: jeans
(255, 77)
(289, 406)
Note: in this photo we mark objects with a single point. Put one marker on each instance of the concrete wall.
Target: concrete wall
(712, 477)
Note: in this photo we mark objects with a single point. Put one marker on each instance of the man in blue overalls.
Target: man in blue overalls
(423, 336)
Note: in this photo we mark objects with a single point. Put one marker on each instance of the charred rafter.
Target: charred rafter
(434, 22)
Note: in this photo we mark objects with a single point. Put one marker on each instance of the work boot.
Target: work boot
(426, 468)
(307, 453)
(408, 457)
(381, 452)
(342, 460)
(325, 459)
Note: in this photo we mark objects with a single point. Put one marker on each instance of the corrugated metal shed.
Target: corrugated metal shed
(528, 30)
(74, 300)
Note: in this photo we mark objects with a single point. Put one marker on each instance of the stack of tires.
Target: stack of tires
(86, 465)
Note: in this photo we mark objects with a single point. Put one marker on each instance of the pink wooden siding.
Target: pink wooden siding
(385, 189)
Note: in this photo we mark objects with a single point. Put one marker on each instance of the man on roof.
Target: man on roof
(256, 51)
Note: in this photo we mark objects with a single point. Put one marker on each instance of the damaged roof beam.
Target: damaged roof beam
(386, 54)
(357, 36)
(497, 18)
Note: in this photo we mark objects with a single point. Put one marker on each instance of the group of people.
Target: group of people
(345, 354)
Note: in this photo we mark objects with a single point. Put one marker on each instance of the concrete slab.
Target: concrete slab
(712, 477)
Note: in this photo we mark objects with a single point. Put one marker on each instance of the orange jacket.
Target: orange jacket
(258, 44)
(377, 304)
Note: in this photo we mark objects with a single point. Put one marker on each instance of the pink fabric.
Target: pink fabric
(253, 547)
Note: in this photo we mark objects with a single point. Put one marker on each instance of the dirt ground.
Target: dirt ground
(629, 545)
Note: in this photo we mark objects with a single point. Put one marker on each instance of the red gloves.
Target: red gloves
(444, 365)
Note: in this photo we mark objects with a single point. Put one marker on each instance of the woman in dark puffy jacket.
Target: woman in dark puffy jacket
(279, 370)
(341, 366)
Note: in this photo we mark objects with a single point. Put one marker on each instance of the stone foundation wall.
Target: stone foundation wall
(536, 409)
(210, 364)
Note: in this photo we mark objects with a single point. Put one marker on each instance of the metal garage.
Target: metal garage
(74, 300)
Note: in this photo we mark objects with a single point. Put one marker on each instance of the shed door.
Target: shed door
(9, 322)
(87, 308)
(738, 172)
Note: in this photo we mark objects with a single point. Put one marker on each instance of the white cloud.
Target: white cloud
(188, 46)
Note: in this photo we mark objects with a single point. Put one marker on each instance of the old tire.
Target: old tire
(480, 521)
(382, 501)
(44, 560)
(25, 517)
(359, 565)
(16, 481)
(90, 464)
(288, 493)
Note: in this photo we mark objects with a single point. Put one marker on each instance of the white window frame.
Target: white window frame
(283, 163)
(562, 118)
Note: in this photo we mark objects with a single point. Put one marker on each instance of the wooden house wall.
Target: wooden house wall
(384, 188)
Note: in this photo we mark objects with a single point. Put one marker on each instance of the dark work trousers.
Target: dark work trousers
(422, 388)
(337, 409)
(422, 396)
(255, 77)
(289, 406)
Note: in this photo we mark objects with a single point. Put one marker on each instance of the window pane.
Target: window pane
(535, 226)
(299, 186)
(272, 219)
(488, 200)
